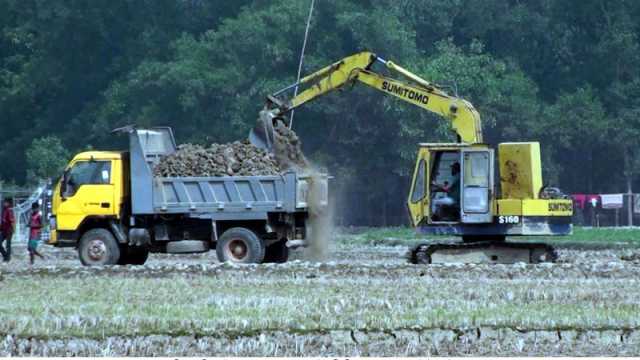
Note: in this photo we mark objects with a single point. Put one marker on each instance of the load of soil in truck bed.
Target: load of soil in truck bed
(235, 159)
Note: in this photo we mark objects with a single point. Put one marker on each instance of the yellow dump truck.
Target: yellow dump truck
(111, 207)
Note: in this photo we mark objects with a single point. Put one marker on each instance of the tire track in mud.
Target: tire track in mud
(605, 270)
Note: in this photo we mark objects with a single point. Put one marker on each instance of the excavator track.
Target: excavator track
(491, 252)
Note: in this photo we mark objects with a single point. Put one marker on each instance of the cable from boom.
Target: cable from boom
(304, 45)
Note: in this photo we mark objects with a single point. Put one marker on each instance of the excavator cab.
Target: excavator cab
(452, 184)
(454, 193)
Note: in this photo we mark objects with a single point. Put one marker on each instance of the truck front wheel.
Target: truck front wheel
(240, 245)
(98, 247)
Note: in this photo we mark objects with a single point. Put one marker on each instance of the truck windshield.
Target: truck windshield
(86, 173)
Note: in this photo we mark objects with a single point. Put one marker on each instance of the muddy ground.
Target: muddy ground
(369, 301)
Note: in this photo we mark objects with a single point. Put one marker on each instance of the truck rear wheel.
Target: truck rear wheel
(277, 252)
(240, 245)
(98, 247)
(133, 255)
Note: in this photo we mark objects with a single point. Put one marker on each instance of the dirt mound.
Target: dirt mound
(233, 159)
(236, 159)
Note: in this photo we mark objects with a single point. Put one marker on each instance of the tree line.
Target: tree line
(564, 73)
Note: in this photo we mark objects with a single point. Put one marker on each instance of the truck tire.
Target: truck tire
(240, 245)
(98, 247)
(277, 253)
(133, 255)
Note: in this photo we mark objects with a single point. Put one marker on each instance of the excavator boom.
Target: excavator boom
(465, 120)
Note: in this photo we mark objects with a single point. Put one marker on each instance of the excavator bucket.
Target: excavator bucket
(261, 135)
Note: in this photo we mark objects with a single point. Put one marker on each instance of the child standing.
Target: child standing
(35, 227)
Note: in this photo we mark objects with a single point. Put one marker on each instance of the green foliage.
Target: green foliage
(504, 94)
(563, 73)
(46, 157)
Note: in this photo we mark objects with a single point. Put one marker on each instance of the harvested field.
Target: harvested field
(365, 301)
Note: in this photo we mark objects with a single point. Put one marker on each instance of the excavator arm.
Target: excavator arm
(464, 118)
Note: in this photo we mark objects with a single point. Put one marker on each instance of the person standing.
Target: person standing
(7, 228)
(35, 228)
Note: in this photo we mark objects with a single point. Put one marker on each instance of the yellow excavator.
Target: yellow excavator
(454, 189)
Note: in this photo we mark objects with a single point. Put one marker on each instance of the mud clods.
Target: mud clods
(233, 159)
(239, 158)
(288, 149)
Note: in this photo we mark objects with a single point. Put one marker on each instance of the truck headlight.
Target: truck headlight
(52, 223)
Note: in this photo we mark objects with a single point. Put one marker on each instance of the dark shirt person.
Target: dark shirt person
(7, 228)
(454, 187)
(446, 208)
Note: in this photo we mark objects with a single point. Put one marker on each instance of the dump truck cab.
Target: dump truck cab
(91, 191)
(457, 191)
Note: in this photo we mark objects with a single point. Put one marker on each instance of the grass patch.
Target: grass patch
(604, 236)
(390, 236)
(407, 236)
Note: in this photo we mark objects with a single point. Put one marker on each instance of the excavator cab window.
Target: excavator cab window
(444, 186)
(477, 186)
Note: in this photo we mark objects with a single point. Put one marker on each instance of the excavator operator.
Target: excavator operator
(447, 208)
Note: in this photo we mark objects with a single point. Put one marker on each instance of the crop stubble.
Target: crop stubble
(366, 302)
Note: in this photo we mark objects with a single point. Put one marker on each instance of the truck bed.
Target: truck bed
(217, 198)
(225, 196)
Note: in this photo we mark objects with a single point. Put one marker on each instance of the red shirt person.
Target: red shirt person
(35, 227)
(7, 227)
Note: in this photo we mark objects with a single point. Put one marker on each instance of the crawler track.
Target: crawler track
(492, 252)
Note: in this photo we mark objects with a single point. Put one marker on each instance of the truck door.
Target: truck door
(477, 186)
(418, 202)
(87, 189)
